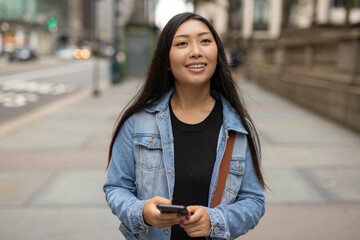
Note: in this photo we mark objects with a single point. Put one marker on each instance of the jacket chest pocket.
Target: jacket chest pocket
(148, 152)
(234, 180)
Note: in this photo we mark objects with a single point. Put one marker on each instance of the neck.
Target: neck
(192, 104)
(191, 97)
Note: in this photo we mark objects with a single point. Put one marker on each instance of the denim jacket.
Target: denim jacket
(142, 167)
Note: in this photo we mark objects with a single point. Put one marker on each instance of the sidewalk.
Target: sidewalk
(52, 171)
(312, 166)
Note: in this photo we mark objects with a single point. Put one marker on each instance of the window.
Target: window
(261, 14)
(341, 3)
(338, 3)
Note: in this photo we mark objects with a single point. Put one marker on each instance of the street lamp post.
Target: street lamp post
(96, 74)
(116, 26)
(115, 67)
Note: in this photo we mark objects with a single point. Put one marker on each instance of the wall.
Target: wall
(318, 69)
(217, 13)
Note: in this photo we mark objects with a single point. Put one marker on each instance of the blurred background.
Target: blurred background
(68, 68)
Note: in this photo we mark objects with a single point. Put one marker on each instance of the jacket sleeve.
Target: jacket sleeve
(120, 185)
(231, 221)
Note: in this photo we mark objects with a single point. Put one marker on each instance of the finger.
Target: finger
(167, 216)
(192, 209)
(161, 200)
(193, 219)
(199, 221)
(151, 213)
(192, 226)
(168, 222)
(195, 230)
(198, 233)
(173, 219)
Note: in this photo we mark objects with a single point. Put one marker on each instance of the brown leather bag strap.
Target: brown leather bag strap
(224, 169)
(223, 172)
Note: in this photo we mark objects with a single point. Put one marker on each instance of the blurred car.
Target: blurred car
(107, 51)
(22, 54)
(66, 52)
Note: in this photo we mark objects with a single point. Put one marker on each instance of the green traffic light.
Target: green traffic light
(51, 23)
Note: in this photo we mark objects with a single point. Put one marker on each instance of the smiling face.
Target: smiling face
(193, 54)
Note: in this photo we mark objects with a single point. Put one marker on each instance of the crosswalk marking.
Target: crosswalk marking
(20, 92)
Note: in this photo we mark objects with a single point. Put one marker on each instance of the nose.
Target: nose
(195, 51)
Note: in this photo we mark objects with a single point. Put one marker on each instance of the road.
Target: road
(29, 87)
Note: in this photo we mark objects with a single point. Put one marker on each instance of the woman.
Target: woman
(168, 144)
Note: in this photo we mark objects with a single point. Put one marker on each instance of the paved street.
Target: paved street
(24, 88)
(52, 171)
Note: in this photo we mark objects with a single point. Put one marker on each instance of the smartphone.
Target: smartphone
(173, 209)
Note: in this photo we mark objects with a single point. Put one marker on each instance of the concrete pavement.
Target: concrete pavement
(312, 166)
(52, 171)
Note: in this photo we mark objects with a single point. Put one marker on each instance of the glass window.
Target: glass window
(341, 3)
(261, 14)
(338, 3)
(235, 17)
(18, 9)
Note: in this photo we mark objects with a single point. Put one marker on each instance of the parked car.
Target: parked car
(66, 52)
(22, 54)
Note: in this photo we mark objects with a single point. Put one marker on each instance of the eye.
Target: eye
(181, 44)
(206, 41)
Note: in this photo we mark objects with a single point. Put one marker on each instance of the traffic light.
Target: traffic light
(51, 23)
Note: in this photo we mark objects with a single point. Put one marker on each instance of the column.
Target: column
(248, 11)
(322, 15)
(275, 18)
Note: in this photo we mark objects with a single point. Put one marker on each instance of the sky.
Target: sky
(168, 8)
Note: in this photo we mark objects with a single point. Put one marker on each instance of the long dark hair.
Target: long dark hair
(159, 81)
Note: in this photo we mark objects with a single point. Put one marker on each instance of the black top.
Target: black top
(195, 154)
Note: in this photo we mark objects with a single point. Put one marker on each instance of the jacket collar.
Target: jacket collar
(231, 119)
(162, 104)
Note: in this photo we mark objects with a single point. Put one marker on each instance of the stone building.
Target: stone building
(306, 53)
(314, 61)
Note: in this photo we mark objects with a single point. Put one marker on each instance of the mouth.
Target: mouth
(196, 67)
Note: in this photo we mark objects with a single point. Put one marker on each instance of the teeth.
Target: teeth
(197, 66)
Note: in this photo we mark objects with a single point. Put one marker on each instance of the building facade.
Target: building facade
(31, 23)
(140, 37)
(264, 19)
(314, 61)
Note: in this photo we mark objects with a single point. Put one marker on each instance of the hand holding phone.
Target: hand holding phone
(164, 208)
(152, 216)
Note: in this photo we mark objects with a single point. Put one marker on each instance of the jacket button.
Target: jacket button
(216, 230)
(142, 227)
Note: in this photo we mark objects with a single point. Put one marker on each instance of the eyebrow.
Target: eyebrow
(187, 36)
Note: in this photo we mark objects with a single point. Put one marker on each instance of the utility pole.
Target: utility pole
(95, 52)
(116, 25)
(115, 66)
